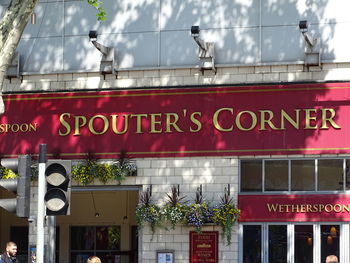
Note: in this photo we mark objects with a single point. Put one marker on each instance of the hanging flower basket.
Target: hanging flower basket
(148, 212)
(225, 215)
(174, 210)
(198, 213)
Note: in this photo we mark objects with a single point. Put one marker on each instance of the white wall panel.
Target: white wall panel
(49, 21)
(152, 33)
(42, 55)
(208, 14)
(284, 43)
(122, 17)
(132, 50)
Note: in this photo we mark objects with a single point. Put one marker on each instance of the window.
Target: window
(102, 241)
(294, 175)
(251, 175)
(330, 174)
(252, 243)
(276, 175)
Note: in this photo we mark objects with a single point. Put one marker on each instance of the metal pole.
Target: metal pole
(41, 205)
(51, 224)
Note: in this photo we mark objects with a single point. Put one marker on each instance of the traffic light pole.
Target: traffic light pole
(41, 205)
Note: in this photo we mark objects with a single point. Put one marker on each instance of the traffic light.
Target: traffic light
(58, 187)
(19, 186)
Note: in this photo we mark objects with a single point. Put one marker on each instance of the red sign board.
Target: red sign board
(294, 208)
(204, 247)
(239, 120)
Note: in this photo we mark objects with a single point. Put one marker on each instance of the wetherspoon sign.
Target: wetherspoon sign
(294, 208)
(239, 120)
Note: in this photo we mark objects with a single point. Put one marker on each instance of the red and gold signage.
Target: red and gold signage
(240, 120)
(204, 247)
(294, 208)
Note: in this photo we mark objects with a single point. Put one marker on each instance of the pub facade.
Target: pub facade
(263, 122)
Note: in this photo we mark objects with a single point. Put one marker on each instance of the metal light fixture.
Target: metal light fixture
(313, 45)
(108, 63)
(97, 214)
(33, 18)
(205, 52)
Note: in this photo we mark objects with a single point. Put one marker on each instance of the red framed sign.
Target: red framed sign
(294, 208)
(239, 120)
(204, 247)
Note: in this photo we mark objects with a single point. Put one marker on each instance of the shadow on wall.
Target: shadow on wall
(153, 33)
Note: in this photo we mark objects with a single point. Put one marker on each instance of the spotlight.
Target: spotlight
(303, 25)
(108, 63)
(206, 51)
(195, 30)
(313, 46)
(92, 35)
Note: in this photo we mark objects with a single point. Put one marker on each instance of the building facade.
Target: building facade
(260, 108)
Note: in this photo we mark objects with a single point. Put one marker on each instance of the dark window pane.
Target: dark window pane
(303, 175)
(276, 175)
(347, 174)
(330, 175)
(251, 175)
(108, 238)
(251, 243)
(19, 235)
(329, 241)
(82, 238)
(303, 236)
(277, 244)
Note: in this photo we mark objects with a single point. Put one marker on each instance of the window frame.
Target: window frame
(290, 191)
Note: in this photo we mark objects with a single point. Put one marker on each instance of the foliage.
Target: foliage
(85, 172)
(148, 212)
(101, 12)
(174, 210)
(6, 173)
(225, 215)
(199, 212)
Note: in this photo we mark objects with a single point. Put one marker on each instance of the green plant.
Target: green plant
(199, 212)
(6, 173)
(225, 215)
(148, 212)
(174, 210)
(85, 172)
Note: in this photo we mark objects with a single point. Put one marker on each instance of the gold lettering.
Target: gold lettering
(138, 121)
(80, 121)
(272, 207)
(309, 118)
(105, 124)
(65, 125)
(337, 208)
(155, 122)
(15, 127)
(269, 114)
(326, 119)
(253, 123)
(302, 208)
(170, 123)
(196, 121)
(216, 122)
(346, 208)
(33, 127)
(285, 116)
(328, 208)
(114, 124)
